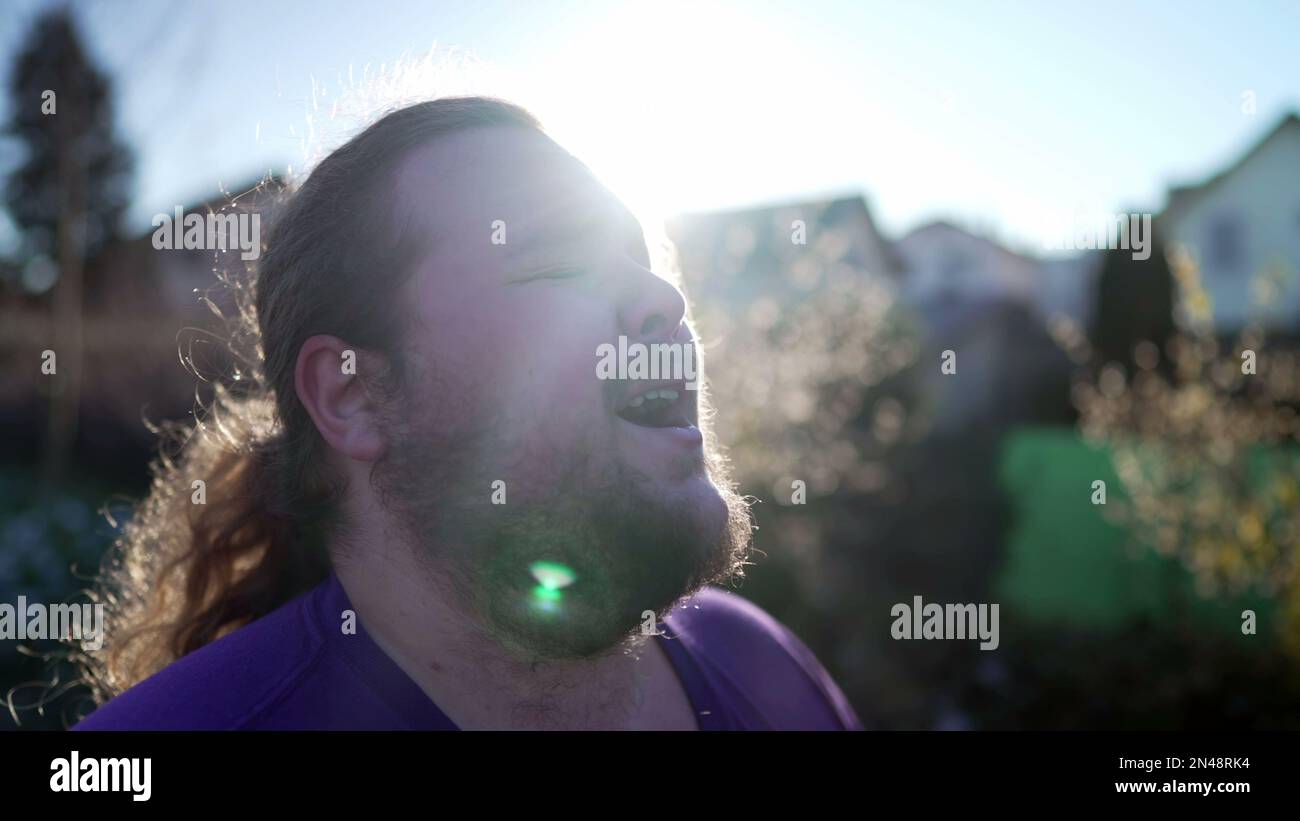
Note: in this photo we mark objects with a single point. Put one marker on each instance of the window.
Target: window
(1226, 243)
(953, 270)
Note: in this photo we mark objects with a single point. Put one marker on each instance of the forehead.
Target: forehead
(458, 187)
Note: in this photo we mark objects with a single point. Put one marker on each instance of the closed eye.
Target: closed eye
(559, 272)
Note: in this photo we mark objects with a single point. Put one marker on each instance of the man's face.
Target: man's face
(562, 507)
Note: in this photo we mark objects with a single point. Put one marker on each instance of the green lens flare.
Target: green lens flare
(552, 576)
(546, 594)
(546, 599)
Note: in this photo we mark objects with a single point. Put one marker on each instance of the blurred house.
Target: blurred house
(1067, 287)
(945, 263)
(1242, 222)
(145, 328)
(782, 252)
(988, 305)
(795, 305)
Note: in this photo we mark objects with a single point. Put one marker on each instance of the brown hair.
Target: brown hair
(184, 574)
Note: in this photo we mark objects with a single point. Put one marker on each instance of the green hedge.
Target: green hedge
(1066, 563)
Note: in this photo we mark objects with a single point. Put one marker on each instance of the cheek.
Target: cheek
(548, 350)
(555, 399)
(554, 411)
(519, 364)
(464, 353)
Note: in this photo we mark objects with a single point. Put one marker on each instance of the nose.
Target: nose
(651, 308)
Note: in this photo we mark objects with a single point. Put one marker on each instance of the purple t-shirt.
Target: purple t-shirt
(295, 669)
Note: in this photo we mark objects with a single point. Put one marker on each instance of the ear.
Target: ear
(327, 378)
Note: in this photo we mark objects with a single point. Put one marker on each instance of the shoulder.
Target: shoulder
(745, 649)
(226, 685)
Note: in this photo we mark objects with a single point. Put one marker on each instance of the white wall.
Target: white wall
(939, 259)
(1262, 197)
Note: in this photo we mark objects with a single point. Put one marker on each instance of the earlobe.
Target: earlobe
(329, 380)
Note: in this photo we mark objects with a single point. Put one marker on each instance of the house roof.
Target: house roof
(945, 227)
(708, 231)
(1182, 197)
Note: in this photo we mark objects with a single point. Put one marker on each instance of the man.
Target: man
(433, 513)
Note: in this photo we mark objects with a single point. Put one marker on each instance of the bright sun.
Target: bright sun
(672, 104)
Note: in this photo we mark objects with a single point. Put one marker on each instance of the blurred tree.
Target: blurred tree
(1208, 454)
(1135, 303)
(68, 194)
(77, 139)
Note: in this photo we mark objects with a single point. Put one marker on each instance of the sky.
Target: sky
(1007, 117)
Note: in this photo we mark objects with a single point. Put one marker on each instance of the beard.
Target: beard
(571, 566)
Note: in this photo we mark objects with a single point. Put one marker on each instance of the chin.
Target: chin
(708, 511)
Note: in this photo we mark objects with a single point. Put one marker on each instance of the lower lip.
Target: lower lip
(684, 437)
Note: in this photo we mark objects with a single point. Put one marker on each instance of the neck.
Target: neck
(478, 682)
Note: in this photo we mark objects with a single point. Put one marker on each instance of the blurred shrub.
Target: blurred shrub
(50, 543)
(1207, 455)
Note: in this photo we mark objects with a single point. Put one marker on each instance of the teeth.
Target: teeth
(666, 394)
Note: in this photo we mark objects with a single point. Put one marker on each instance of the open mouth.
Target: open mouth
(666, 405)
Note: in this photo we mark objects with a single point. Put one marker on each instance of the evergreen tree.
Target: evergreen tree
(1135, 303)
(66, 197)
(74, 166)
